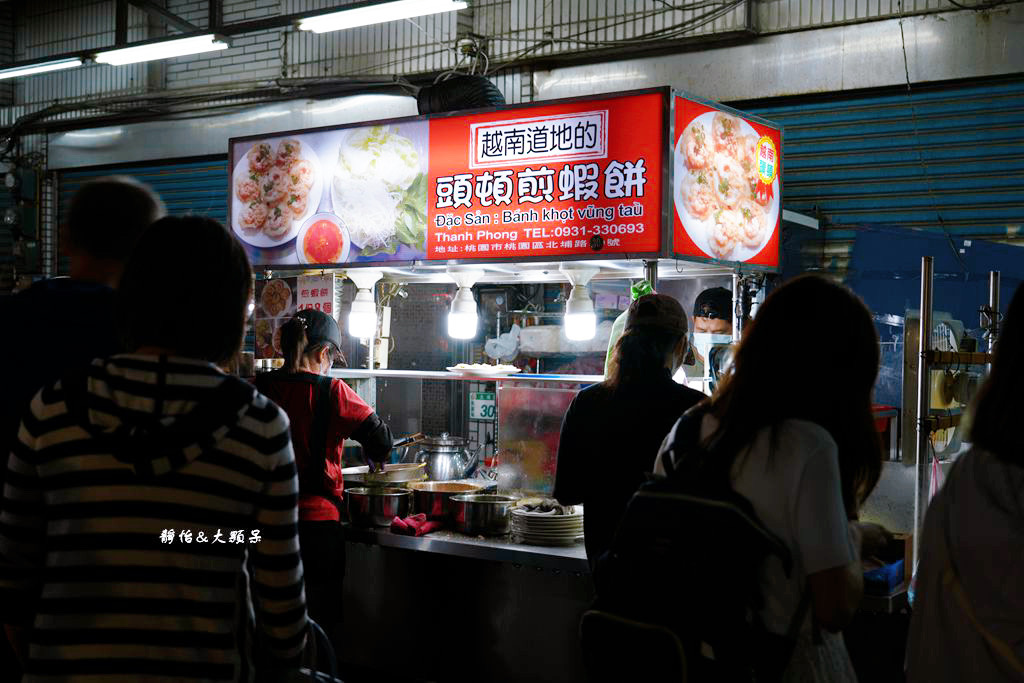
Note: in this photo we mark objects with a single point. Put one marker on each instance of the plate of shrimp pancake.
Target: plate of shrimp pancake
(275, 187)
(714, 188)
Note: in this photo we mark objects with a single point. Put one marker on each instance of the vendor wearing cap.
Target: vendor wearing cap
(712, 324)
(613, 429)
(323, 412)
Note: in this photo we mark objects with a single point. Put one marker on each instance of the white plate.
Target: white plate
(300, 251)
(576, 511)
(547, 542)
(548, 537)
(537, 524)
(697, 229)
(482, 373)
(261, 239)
(560, 528)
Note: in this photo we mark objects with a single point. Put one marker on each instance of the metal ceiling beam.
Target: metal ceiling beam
(170, 18)
(215, 14)
(121, 23)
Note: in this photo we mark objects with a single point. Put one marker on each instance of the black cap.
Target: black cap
(320, 328)
(714, 303)
(656, 310)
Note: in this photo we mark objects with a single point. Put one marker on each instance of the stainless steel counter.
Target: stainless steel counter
(475, 609)
(501, 549)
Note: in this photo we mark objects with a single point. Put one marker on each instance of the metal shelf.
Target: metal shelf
(348, 373)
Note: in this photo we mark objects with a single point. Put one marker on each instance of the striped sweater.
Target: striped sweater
(111, 464)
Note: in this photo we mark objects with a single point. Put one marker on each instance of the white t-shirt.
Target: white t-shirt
(795, 491)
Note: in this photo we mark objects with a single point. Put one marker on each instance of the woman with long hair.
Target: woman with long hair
(612, 430)
(790, 429)
(323, 412)
(968, 620)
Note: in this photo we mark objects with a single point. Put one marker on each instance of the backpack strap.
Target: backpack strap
(686, 441)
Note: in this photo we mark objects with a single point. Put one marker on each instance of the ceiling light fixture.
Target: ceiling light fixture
(378, 13)
(163, 49)
(580, 320)
(362, 318)
(463, 318)
(40, 67)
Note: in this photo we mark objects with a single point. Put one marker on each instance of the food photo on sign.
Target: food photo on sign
(332, 196)
(726, 185)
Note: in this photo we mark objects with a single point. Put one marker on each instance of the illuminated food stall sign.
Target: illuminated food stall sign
(726, 185)
(574, 178)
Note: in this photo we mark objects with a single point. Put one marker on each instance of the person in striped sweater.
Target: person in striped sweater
(148, 529)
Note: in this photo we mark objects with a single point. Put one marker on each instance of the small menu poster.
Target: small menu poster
(278, 299)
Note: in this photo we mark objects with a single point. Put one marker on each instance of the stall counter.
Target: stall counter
(450, 607)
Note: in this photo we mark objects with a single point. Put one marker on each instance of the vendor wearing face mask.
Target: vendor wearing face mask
(322, 412)
(712, 324)
(612, 429)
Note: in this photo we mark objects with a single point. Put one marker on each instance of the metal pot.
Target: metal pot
(446, 457)
(486, 514)
(433, 498)
(394, 475)
(372, 506)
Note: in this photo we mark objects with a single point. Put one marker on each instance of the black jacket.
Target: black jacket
(608, 442)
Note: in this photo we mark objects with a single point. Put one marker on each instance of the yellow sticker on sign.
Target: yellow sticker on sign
(767, 160)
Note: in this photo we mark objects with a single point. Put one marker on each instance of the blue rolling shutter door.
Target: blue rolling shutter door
(941, 158)
(197, 187)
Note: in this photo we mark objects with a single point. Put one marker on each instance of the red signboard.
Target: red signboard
(727, 186)
(563, 179)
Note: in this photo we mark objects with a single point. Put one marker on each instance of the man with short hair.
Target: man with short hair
(64, 322)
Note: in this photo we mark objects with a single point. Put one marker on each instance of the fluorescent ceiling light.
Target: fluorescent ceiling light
(41, 68)
(378, 14)
(164, 49)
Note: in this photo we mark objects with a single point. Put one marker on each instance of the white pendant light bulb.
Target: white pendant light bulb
(462, 319)
(362, 318)
(580, 321)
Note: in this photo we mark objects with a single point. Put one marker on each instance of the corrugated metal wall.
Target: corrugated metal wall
(944, 158)
(197, 187)
(59, 26)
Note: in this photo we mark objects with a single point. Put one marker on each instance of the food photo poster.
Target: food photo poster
(727, 185)
(330, 197)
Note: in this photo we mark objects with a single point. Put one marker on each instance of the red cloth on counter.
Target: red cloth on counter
(415, 525)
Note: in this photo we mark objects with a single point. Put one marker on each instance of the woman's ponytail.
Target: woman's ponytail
(293, 341)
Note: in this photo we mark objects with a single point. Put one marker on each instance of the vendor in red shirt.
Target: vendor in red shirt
(323, 413)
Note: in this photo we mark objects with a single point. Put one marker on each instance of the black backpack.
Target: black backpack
(687, 556)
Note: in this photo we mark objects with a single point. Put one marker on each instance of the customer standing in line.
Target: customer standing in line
(323, 412)
(804, 452)
(148, 525)
(65, 322)
(968, 618)
(612, 430)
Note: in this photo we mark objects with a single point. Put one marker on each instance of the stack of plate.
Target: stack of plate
(547, 528)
